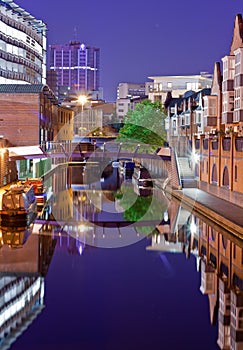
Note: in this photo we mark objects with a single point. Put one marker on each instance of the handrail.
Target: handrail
(177, 166)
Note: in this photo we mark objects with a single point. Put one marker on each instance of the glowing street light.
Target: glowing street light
(82, 99)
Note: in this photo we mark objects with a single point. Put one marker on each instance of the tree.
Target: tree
(145, 124)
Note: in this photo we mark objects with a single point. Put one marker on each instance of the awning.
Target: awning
(25, 152)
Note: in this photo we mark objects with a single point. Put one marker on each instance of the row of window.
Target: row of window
(214, 177)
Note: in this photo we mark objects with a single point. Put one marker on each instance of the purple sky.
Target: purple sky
(139, 39)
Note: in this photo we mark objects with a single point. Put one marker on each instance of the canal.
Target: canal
(109, 265)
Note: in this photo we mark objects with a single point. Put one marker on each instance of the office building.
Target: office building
(22, 46)
(77, 66)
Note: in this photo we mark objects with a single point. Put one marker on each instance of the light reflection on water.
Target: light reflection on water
(161, 287)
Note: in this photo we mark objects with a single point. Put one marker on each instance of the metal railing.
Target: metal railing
(66, 149)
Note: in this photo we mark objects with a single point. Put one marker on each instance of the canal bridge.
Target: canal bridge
(178, 172)
(85, 150)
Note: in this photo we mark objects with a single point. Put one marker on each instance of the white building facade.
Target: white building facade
(128, 94)
(158, 89)
(22, 46)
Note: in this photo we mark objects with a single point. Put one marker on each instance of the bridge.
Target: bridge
(84, 150)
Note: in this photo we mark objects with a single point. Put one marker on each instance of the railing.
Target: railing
(177, 167)
(66, 149)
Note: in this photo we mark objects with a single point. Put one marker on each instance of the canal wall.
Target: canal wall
(222, 192)
(224, 214)
(163, 170)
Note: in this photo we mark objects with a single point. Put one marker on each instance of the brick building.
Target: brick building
(31, 116)
(219, 148)
(208, 126)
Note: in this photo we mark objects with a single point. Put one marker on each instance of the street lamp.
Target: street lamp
(82, 99)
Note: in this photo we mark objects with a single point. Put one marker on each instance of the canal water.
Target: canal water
(107, 266)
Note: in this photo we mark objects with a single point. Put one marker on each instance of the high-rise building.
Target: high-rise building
(77, 66)
(22, 46)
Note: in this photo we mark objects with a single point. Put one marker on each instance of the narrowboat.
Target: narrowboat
(39, 190)
(142, 177)
(126, 167)
(15, 237)
(19, 205)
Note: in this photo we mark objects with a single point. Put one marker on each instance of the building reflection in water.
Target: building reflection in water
(77, 208)
(219, 259)
(85, 206)
(24, 261)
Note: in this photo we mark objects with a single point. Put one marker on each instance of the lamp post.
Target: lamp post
(82, 99)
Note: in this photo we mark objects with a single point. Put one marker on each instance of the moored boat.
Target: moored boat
(14, 237)
(126, 168)
(39, 190)
(142, 177)
(19, 205)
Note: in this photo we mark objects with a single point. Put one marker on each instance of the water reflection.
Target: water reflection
(115, 213)
(219, 261)
(97, 206)
(22, 273)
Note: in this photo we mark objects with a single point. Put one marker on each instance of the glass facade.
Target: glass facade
(77, 66)
(22, 46)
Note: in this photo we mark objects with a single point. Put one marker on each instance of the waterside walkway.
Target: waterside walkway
(225, 214)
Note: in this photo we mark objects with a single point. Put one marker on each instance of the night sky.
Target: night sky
(139, 39)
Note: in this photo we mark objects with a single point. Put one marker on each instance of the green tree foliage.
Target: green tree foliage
(139, 207)
(146, 124)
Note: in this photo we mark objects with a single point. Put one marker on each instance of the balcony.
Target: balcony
(197, 144)
(228, 85)
(205, 144)
(238, 115)
(210, 121)
(227, 117)
(239, 144)
(23, 28)
(226, 143)
(215, 144)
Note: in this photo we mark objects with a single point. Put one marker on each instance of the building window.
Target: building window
(202, 166)
(225, 177)
(214, 174)
(224, 242)
(236, 175)
(234, 251)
